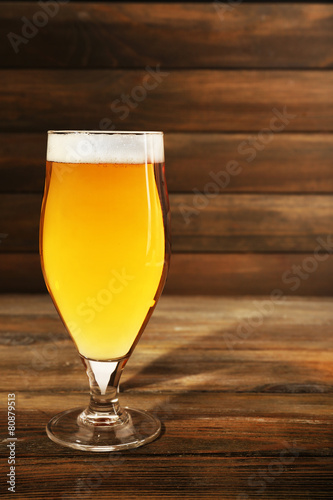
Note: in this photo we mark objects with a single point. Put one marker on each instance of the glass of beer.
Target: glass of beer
(104, 245)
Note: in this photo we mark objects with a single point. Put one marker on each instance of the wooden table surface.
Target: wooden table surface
(245, 398)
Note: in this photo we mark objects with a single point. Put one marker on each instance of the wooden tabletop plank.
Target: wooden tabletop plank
(185, 309)
(206, 101)
(262, 423)
(197, 35)
(132, 478)
(272, 440)
(251, 349)
(242, 371)
(33, 320)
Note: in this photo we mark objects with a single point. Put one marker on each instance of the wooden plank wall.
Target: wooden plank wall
(244, 93)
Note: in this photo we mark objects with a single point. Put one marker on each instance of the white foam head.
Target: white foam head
(105, 147)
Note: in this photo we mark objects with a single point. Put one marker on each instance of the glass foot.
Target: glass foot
(130, 429)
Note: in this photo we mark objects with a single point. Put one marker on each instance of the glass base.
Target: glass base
(134, 428)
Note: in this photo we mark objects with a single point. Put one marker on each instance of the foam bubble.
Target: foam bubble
(103, 147)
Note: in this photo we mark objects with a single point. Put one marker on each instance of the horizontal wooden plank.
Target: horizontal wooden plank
(239, 274)
(195, 100)
(271, 408)
(211, 354)
(19, 222)
(203, 223)
(28, 319)
(205, 274)
(288, 163)
(307, 416)
(56, 365)
(22, 162)
(131, 477)
(216, 443)
(249, 223)
(219, 35)
(221, 369)
(21, 272)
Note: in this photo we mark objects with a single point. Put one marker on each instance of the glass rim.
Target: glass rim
(109, 132)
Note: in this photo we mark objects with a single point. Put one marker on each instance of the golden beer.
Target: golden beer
(104, 249)
(103, 242)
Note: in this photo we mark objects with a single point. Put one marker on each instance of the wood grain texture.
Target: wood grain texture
(196, 35)
(19, 221)
(194, 100)
(225, 73)
(294, 163)
(233, 274)
(249, 223)
(199, 333)
(22, 162)
(203, 223)
(200, 477)
(206, 274)
(21, 272)
(249, 421)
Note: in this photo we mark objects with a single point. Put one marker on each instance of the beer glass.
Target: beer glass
(104, 245)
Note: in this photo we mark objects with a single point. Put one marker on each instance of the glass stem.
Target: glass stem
(104, 408)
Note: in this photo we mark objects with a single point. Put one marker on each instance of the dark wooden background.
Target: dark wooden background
(225, 71)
